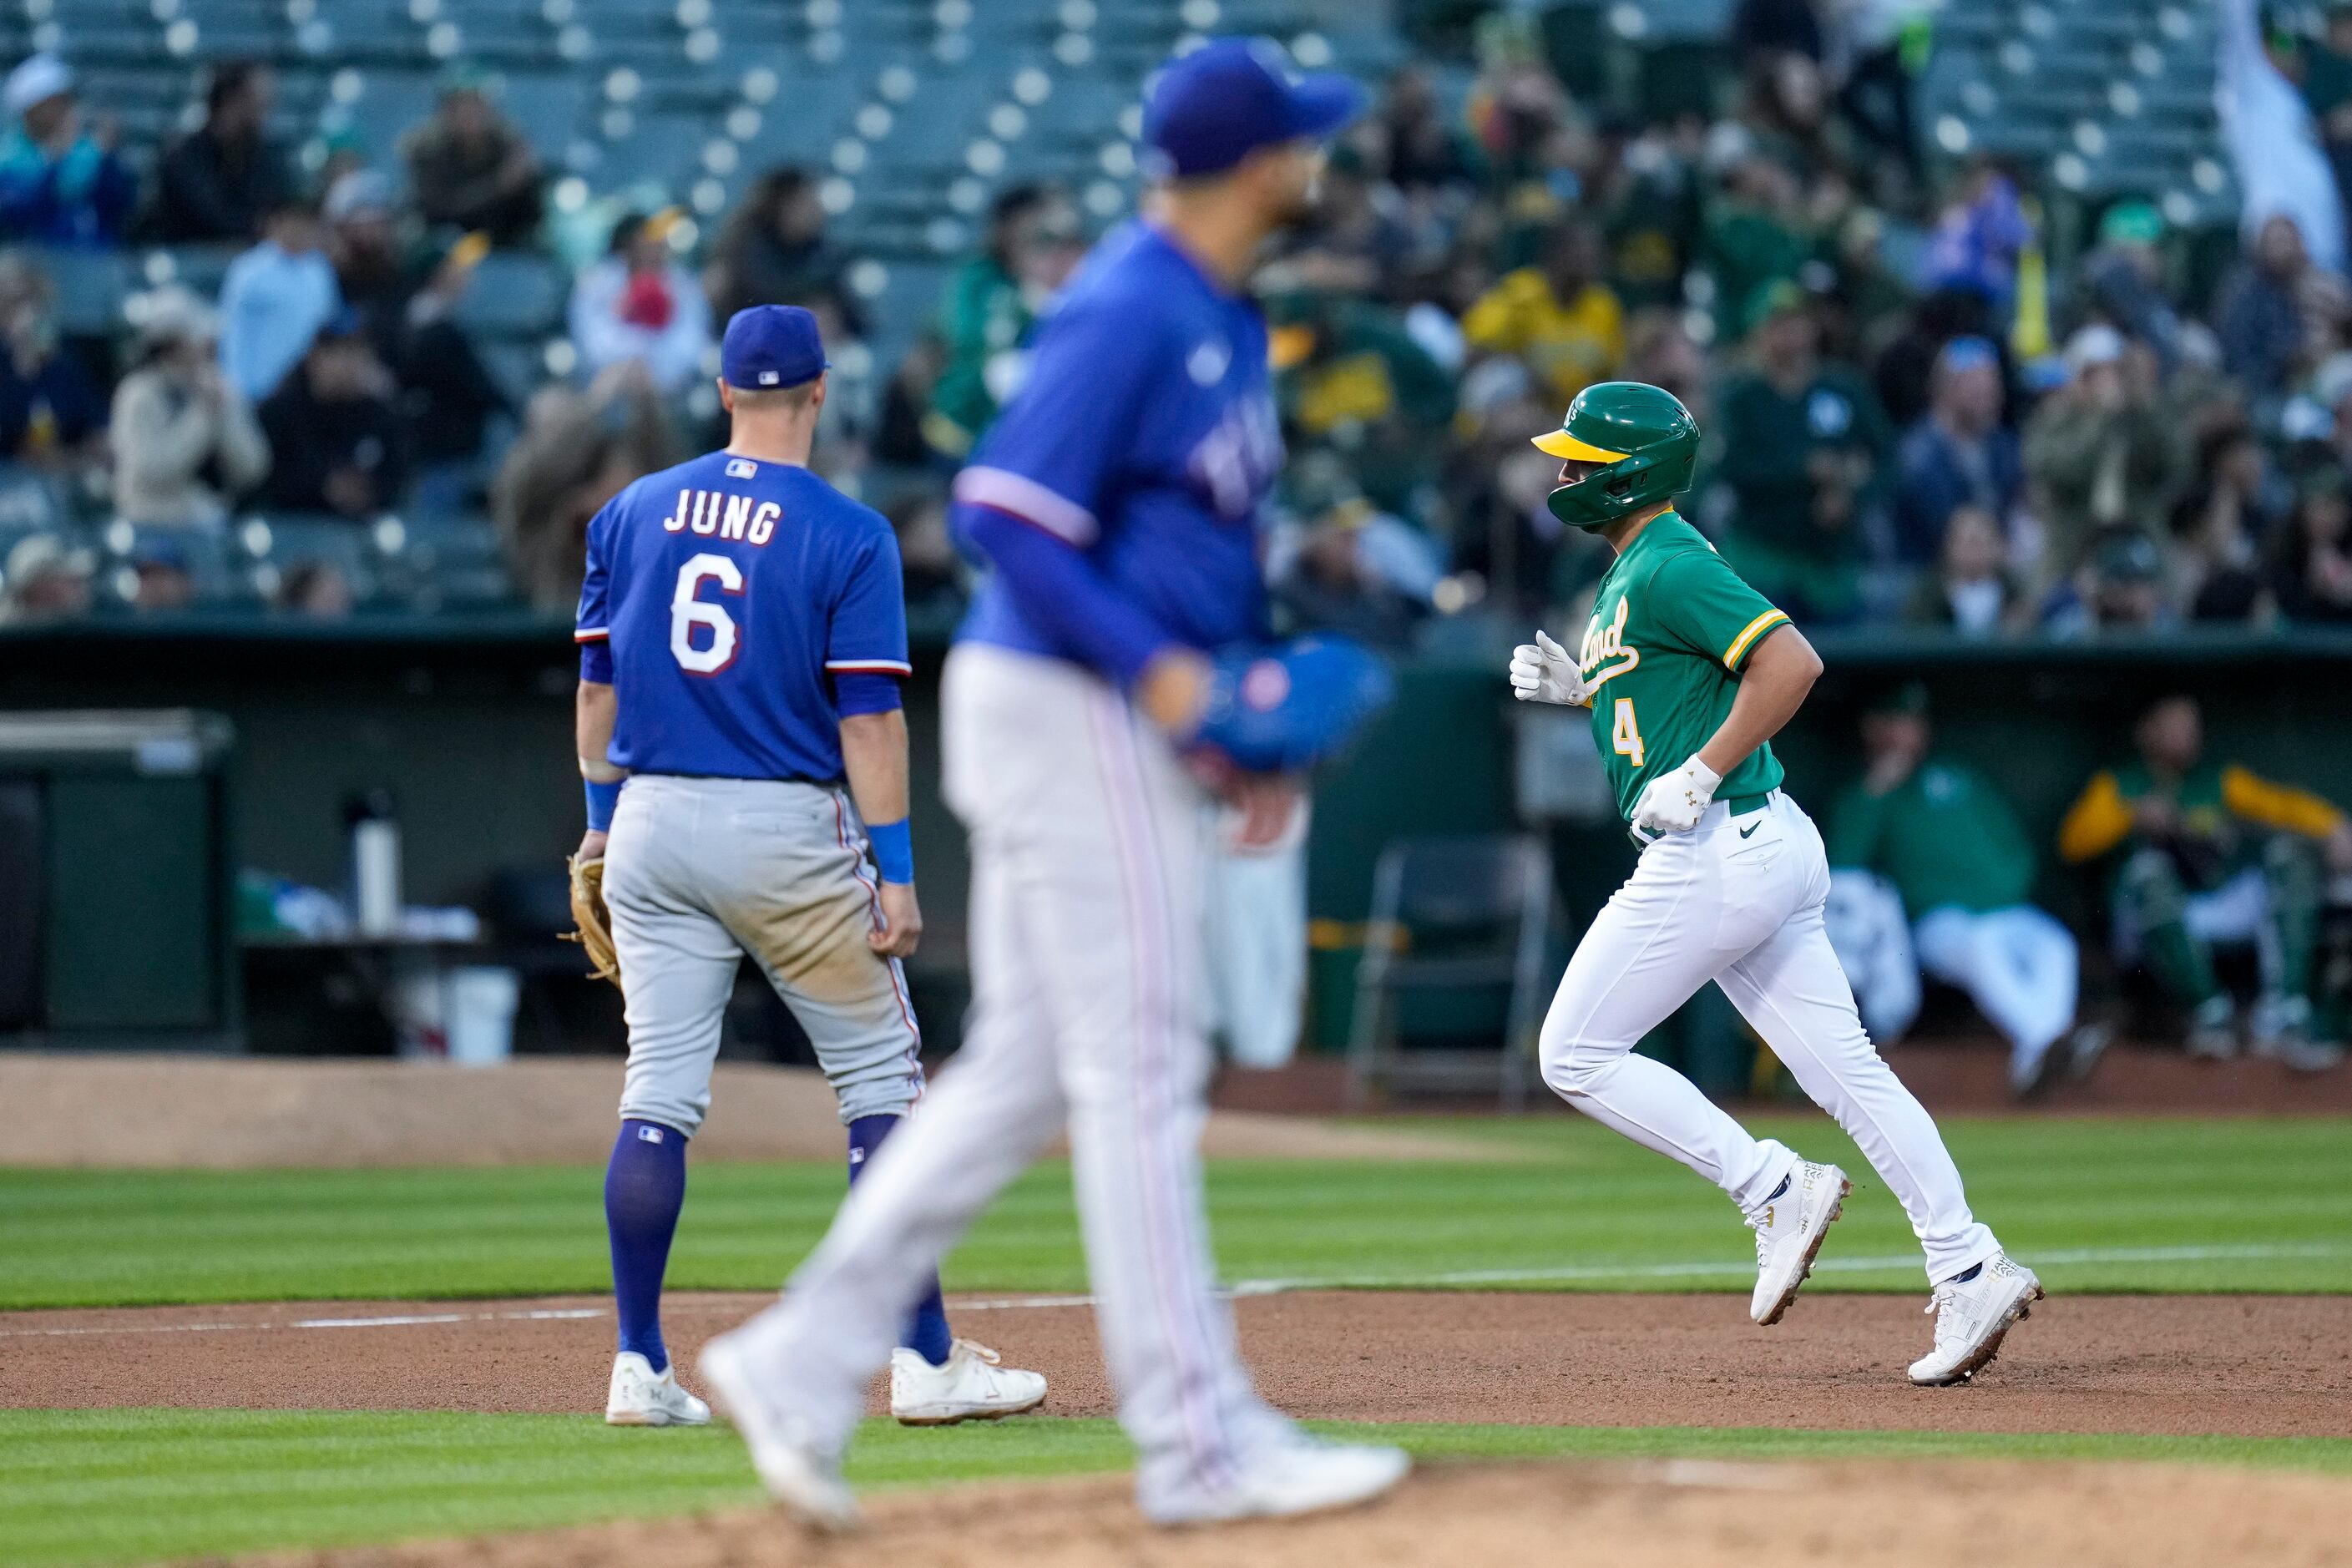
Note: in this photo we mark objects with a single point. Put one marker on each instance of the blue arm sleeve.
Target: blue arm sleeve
(860, 691)
(596, 662)
(1059, 592)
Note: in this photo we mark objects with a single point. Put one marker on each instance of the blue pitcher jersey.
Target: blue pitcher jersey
(1144, 434)
(733, 593)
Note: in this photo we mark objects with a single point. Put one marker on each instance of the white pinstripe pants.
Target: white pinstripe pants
(1739, 901)
(1088, 847)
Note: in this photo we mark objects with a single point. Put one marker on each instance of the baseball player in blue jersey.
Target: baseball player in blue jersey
(742, 634)
(1114, 659)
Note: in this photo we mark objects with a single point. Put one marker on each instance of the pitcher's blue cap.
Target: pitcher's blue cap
(770, 347)
(1224, 101)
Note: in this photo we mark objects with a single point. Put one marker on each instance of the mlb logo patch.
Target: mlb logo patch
(742, 468)
(649, 1134)
(769, 378)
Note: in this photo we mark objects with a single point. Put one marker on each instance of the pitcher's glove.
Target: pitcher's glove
(1283, 710)
(595, 932)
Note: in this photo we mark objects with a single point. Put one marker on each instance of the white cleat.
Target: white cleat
(973, 1385)
(1789, 1234)
(641, 1396)
(1301, 1474)
(1971, 1319)
(796, 1472)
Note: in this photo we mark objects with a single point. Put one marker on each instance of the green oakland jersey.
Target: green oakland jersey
(1672, 628)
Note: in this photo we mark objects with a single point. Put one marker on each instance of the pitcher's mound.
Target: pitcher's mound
(1674, 1514)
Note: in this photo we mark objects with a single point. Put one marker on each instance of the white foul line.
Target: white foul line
(542, 1314)
(1734, 1268)
(1725, 1269)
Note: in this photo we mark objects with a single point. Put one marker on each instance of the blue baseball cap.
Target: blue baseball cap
(1224, 101)
(770, 347)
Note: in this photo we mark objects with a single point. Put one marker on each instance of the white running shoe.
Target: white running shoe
(972, 1385)
(1300, 1475)
(642, 1397)
(2281, 1032)
(1789, 1230)
(796, 1472)
(2213, 1030)
(1971, 1319)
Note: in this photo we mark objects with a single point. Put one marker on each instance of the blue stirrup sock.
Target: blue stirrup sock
(926, 1333)
(645, 1187)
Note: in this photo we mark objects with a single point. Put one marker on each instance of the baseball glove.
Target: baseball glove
(595, 932)
(1284, 709)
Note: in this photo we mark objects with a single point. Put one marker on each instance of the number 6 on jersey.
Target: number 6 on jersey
(1624, 737)
(687, 611)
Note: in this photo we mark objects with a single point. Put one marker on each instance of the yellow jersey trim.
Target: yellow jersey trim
(2283, 806)
(1754, 629)
(2099, 819)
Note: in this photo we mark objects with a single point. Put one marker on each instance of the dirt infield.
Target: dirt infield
(1680, 1514)
(218, 1112)
(2255, 1367)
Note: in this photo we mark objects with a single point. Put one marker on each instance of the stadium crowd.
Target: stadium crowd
(1909, 421)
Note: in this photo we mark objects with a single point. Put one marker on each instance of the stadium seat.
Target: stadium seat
(199, 267)
(90, 287)
(548, 106)
(1469, 913)
(514, 294)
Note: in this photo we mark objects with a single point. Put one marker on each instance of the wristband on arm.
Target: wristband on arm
(603, 795)
(894, 851)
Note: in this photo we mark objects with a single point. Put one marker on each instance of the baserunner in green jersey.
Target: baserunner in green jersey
(1689, 674)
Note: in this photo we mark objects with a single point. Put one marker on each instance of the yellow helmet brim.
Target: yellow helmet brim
(1560, 444)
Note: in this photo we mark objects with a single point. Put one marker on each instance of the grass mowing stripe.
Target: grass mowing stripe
(95, 1488)
(1580, 1197)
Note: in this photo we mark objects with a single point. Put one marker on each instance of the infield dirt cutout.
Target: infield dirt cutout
(2238, 1365)
(195, 1112)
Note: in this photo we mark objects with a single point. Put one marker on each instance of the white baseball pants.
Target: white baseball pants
(1739, 901)
(2019, 965)
(701, 872)
(1257, 930)
(1087, 847)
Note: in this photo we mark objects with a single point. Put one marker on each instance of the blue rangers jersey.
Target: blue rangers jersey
(1143, 437)
(740, 609)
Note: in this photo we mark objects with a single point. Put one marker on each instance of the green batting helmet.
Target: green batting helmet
(1644, 434)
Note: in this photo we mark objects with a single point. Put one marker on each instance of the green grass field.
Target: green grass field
(2117, 1205)
(128, 1486)
(2134, 1205)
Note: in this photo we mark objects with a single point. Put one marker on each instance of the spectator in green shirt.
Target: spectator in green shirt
(1033, 241)
(1801, 445)
(1754, 236)
(1350, 378)
(1956, 853)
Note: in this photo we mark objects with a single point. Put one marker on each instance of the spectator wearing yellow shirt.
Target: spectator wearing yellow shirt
(1557, 316)
(2209, 855)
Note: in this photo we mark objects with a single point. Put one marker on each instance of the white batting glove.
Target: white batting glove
(1543, 671)
(1673, 803)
